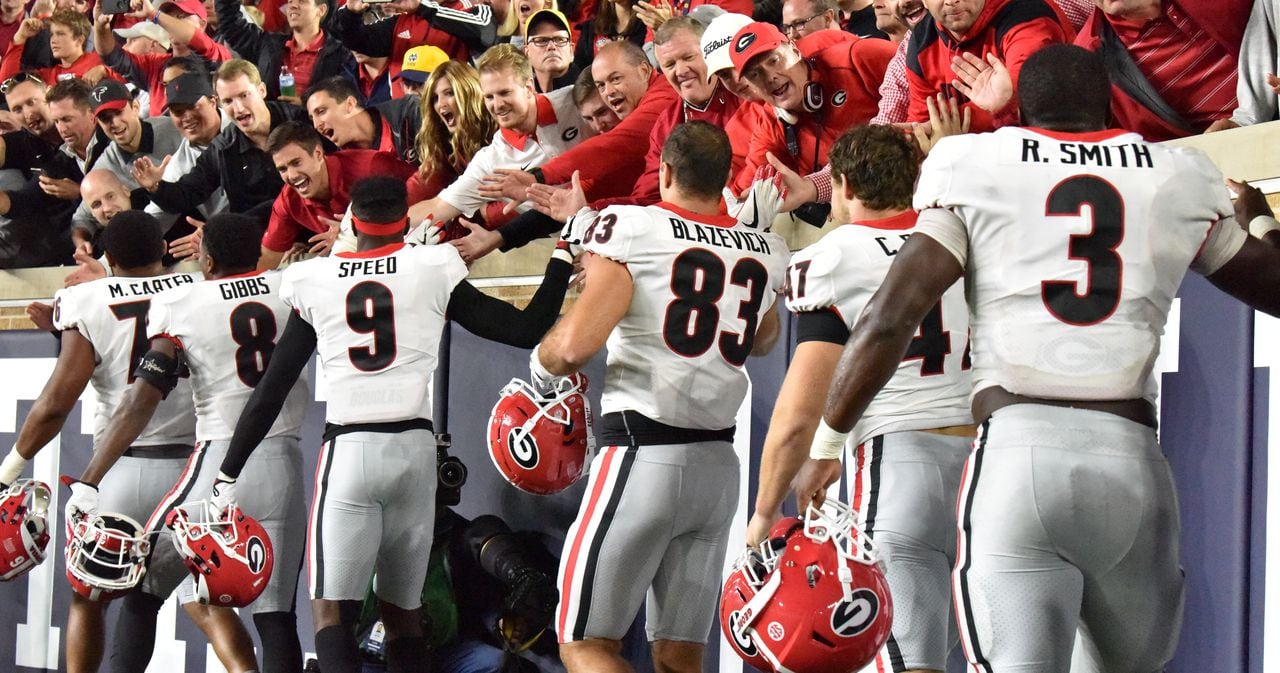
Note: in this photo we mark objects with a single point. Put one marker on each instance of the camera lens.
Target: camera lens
(452, 473)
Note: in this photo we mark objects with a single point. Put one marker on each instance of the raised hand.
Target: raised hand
(945, 119)
(147, 174)
(986, 83)
(477, 243)
(558, 203)
(764, 200)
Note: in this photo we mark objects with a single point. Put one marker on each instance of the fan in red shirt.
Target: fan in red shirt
(820, 87)
(1010, 30)
(1181, 59)
(676, 45)
(68, 30)
(316, 189)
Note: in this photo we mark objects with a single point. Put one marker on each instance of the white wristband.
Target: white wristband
(12, 467)
(828, 443)
(1262, 225)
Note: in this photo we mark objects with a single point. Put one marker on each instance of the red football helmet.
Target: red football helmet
(229, 554)
(24, 528)
(825, 607)
(106, 555)
(746, 577)
(542, 444)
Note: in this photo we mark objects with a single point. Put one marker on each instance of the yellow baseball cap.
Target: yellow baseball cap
(419, 62)
(548, 14)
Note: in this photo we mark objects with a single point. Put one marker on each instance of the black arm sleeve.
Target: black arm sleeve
(372, 39)
(527, 227)
(244, 37)
(290, 357)
(821, 325)
(496, 320)
(192, 189)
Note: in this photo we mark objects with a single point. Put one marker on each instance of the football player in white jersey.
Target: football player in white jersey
(1073, 241)
(906, 455)
(375, 317)
(103, 325)
(222, 331)
(682, 294)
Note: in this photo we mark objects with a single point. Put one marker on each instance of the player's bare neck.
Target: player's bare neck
(701, 206)
(217, 274)
(365, 242)
(148, 271)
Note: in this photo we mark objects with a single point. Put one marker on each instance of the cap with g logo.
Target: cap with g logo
(751, 41)
(717, 41)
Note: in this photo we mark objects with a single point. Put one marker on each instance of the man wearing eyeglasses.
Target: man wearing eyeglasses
(804, 17)
(549, 46)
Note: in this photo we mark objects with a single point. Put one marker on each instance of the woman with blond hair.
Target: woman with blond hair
(455, 125)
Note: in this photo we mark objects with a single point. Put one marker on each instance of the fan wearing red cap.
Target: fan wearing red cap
(819, 87)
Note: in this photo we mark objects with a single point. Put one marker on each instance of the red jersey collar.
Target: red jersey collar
(713, 220)
(376, 252)
(546, 117)
(292, 44)
(1083, 136)
(903, 220)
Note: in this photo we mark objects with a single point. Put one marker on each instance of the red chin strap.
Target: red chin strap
(380, 228)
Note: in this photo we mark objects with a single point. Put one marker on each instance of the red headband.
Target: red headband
(380, 228)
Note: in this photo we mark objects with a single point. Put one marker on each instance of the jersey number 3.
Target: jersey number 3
(1097, 249)
(692, 321)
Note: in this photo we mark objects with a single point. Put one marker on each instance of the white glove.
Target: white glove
(428, 232)
(764, 201)
(570, 245)
(224, 493)
(83, 503)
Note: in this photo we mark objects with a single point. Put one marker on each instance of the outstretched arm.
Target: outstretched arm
(156, 375)
(584, 329)
(496, 320)
(1252, 275)
(70, 375)
(290, 357)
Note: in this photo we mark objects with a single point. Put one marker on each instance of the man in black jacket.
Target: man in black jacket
(237, 160)
(308, 51)
(338, 113)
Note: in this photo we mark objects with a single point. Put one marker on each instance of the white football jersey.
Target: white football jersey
(227, 329)
(1074, 246)
(112, 314)
(841, 272)
(701, 286)
(378, 317)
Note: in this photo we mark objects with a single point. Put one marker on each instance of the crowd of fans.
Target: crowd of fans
(504, 117)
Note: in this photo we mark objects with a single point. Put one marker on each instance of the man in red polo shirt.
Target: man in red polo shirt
(819, 88)
(307, 52)
(316, 189)
(1178, 60)
(1010, 30)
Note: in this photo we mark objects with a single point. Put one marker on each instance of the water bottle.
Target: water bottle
(287, 87)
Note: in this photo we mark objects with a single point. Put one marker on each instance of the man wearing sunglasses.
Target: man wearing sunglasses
(549, 45)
